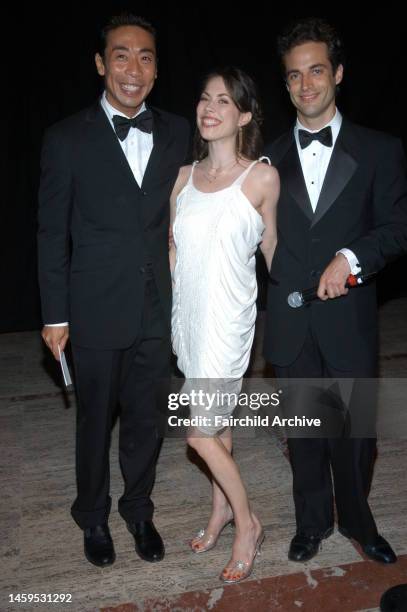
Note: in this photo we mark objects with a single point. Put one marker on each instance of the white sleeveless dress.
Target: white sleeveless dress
(214, 297)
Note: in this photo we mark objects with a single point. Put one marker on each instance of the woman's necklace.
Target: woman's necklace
(213, 173)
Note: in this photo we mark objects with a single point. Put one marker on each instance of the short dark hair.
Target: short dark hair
(311, 29)
(120, 20)
(243, 92)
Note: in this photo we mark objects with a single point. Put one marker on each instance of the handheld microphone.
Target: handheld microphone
(299, 298)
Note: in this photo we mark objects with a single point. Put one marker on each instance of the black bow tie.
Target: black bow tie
(143, 122)
(324, 136)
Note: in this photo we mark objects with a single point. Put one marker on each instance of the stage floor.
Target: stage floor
(41, 548)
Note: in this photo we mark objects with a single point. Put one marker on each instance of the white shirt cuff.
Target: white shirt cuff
(352, 260)
(56, 324)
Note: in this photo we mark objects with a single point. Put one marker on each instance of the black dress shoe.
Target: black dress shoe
(380, 550)
(303, 547)
(394, 599)
(98, 545)
(149, 545)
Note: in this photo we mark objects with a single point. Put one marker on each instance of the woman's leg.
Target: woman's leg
(226, 473)
(221, 511)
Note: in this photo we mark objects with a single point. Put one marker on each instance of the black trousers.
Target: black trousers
(131, 378)
(324, 467)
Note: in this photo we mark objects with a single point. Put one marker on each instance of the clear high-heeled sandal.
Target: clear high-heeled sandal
(244, 568)
(210, 539)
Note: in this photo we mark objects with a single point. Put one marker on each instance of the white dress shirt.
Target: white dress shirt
(315, 160)
(137, 147)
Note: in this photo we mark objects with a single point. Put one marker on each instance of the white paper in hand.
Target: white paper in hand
(65, 370)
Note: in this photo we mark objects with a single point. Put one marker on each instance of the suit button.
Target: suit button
(142, 270)
(313, 274)
(144, 193)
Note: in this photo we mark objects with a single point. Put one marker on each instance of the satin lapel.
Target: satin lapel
(161, 140)
(341, 168)
(107, 144)
(293, 179)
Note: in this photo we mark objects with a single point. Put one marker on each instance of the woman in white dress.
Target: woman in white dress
(222, 208)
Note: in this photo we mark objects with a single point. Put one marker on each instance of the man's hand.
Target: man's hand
(332, 281)
(53, 336)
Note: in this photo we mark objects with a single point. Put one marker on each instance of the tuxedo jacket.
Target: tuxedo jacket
(362, 206)
(98, 227)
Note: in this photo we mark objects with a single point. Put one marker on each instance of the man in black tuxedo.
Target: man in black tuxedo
(107, 174)
(342, 210)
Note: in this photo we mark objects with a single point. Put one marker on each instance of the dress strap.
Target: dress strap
(241, 177)
(191, 173)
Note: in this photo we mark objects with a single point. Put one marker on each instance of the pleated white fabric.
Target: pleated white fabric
(214, 298)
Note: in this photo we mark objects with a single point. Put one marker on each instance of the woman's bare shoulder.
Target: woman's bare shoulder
(182, 178)
(184, 172)
(265, 174)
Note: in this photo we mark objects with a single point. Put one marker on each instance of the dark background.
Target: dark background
(49, 53)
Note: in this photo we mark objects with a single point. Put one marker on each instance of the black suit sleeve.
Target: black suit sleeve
(269, 152)
(388, 238)
(55, 198)
(188, 143)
